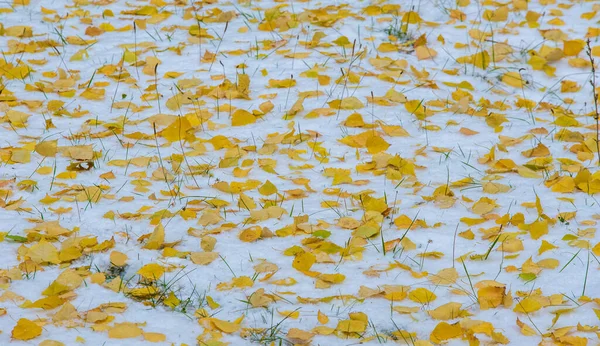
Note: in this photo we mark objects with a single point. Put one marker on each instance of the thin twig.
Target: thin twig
(593, 83)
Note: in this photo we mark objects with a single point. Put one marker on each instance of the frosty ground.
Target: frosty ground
(301, 172)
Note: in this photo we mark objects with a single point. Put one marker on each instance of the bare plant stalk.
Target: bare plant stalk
(593, 83)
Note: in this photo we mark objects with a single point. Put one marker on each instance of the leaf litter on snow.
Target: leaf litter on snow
(268, 172)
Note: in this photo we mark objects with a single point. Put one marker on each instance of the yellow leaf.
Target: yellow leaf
(68, 254)
(579, 62)
(527, 173)
(203, 258)
(47, 303)
(376, 145)
(44, 170)
(304, 261)
(267, 188)
(242, 117)
(117, 258)
(498, 15)
(548, 263)
(246, 202)
(481, 59)
(554, 35)
(483, 206)
(66, 281)
(250, 234)
(207, 243)
(26, 330)
(444, 331)
(354, 120)
(537, 62)
(80, 55)
(156, 239)
(528, 305)
(588, 15)
(446, 276)
(422, 296)
(282, 83)
(20, 156)
(19, 72)
(493, 188)
(540, 150)
(94, 94)
(47, 148)
(351, 326)
(260, 299)
(177, 130)
(225, 326)
(172, 301)
(406, 309)
(538, 205)
(410, 17)
(332, 278)
(595, 249)
(394, 130)
(124, 330)
(78, 152)
(176, 101)
(16, 118)
(490, 294)
(387, 47)
(395, 96)
(43, 252)
(151, 65)
(511, 245)
(351, 102)
(155, 337)
(299, 336)
(89, 194)
(173, 74)
(266, 107)
(564, 184)
(424, 52)
(416, 108)
(513, 79)
(211, 303)
(525, 329)
(375, 204)
(538, 229)
(342, 41)
(151, 271)
(48, 199)
(447, 311)
(322, 318)
(545, 246)
(66, 312)
(572, 48)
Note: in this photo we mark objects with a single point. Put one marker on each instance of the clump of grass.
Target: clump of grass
(272, 335)
(395, 31)
(114, 271)
(400, 31)
(162, 290)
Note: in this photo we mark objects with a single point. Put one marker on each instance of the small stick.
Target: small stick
(593, 83)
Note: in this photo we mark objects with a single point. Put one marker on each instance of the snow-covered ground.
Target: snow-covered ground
(300, 172)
